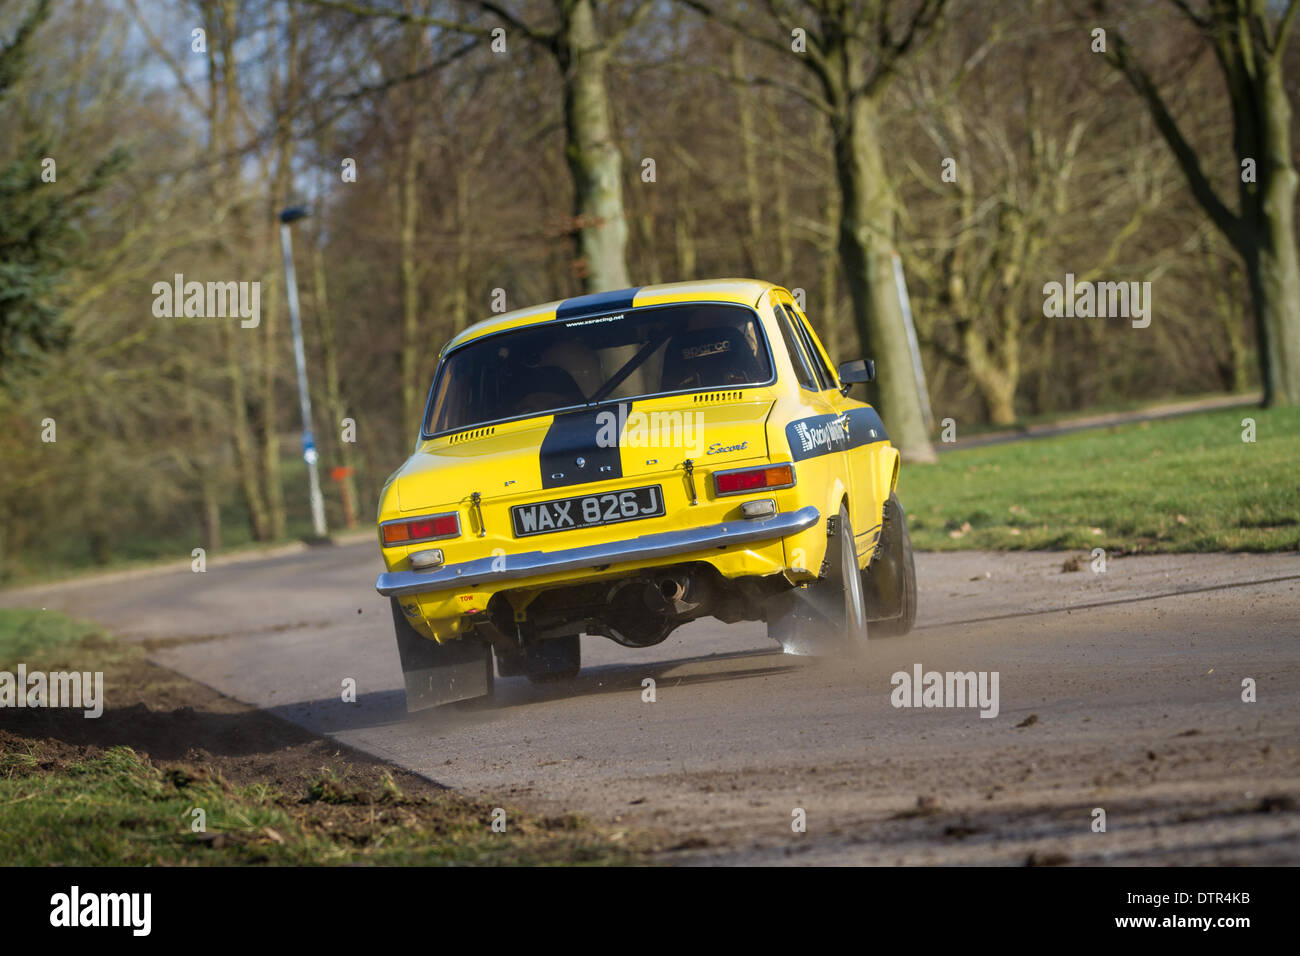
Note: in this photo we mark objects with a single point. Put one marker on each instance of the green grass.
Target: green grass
(39, 637)
(74, 792)
(1185, 484)
(119, 809)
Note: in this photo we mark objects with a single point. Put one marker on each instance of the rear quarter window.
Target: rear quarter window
(803, 372)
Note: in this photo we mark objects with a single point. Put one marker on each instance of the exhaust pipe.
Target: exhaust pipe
(671, 595)
(672, 589)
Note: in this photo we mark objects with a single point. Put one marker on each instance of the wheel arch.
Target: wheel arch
(884, 472)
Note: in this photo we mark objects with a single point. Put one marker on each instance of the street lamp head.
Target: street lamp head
(293, 213)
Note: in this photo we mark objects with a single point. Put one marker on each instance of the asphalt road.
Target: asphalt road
(1119, 691)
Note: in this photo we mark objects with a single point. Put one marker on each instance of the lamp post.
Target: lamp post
(287, 216)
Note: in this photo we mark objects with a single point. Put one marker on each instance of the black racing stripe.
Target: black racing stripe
(597, 303)
(823, 434)
(585, 435)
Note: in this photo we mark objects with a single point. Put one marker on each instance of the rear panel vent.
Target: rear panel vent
(711, 398)
(459, 437)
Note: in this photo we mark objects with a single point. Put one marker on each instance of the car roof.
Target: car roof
(742, 291)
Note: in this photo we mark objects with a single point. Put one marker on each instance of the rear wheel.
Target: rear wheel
(553, 660)
(890, 580)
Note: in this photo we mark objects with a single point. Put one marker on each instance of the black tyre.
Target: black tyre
(829, 616)
(555, 659)
(890, 580)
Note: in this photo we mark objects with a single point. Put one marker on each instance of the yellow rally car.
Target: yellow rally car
(624, 462)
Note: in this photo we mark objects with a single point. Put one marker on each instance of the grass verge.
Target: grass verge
(123, 789)
(1185, 484)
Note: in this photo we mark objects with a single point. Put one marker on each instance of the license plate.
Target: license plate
(586, 511)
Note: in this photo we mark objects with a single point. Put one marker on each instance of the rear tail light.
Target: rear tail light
(753, 479)
(426, 528)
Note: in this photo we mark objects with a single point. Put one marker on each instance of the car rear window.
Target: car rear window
(567, 363)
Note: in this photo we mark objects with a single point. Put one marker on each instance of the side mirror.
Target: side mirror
(851, 373)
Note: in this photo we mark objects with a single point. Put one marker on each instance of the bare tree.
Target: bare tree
(851, 50)
(1248, 41)
(581, 46)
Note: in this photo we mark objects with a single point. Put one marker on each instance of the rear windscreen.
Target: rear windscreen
(562, 364)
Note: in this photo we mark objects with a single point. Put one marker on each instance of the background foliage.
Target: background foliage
(174, 433)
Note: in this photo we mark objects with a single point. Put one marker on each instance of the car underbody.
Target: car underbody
(535, 631)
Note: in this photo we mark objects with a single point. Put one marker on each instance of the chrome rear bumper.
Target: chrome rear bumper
(596, 556)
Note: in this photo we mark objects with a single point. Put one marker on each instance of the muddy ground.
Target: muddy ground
(1119, 691)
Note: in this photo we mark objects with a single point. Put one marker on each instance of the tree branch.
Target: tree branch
(541, 37)
(1283, 28)
(922, 24)
(1203, 23)
(638, 14)
(738, 25)
(397, 16)
(1223, 217)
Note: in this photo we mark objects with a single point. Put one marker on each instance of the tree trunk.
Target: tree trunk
(408, 199)
(280, 190)
(749, 162)
(459, 310)
(684, 240)
(205, 461)
(211, 515)
(648, 224)
(269, 439)
(1272, 263)
(866, 251)
(1250, 51)
(222, 16)
(995, 383)
(781, 194)
(1233, 368)
(245, 453)
(410, 349)
(593, 157)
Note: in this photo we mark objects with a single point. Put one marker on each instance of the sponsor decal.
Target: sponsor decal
(603, 318)
(708, 348)
(824, 434)
(596, 304)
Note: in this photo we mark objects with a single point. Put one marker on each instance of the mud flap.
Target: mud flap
(826, 618)
(803, 625)
(437, 674)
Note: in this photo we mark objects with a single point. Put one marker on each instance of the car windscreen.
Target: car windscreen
(633, 354)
